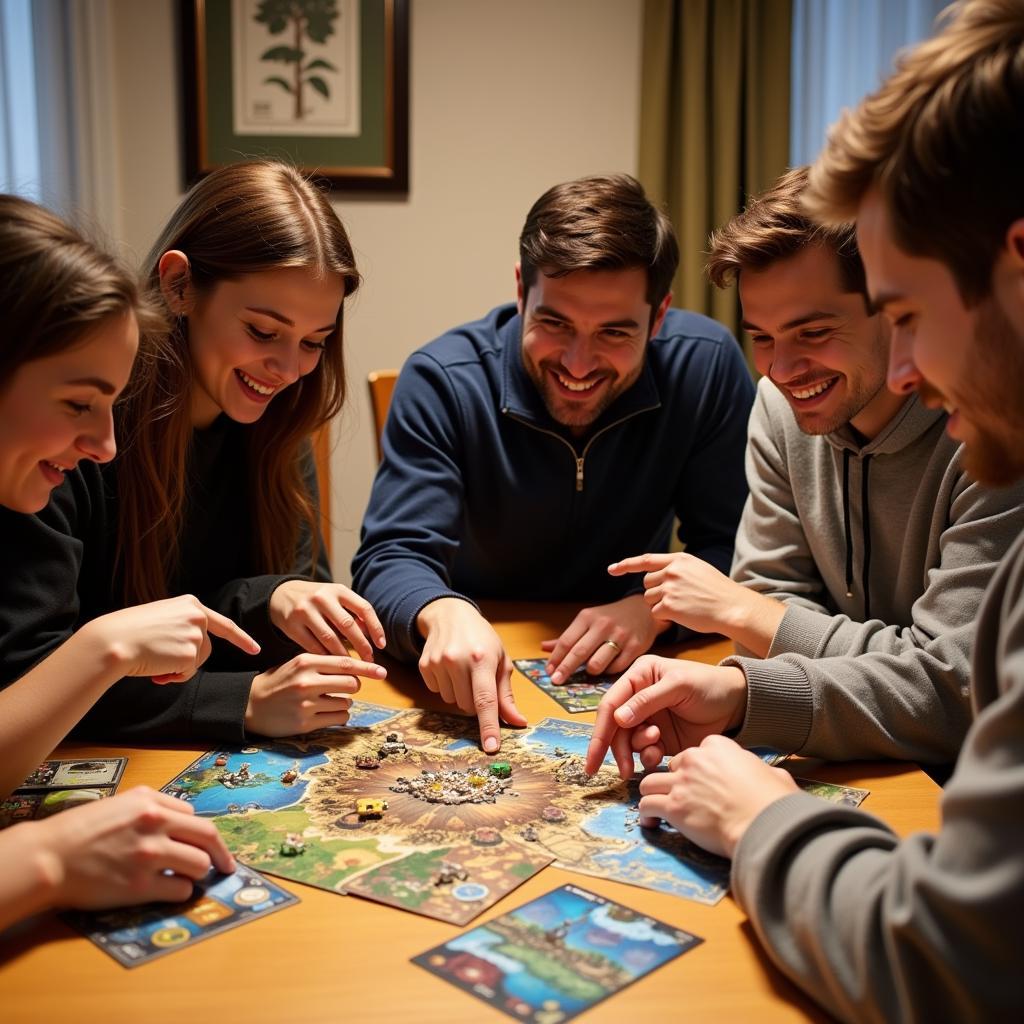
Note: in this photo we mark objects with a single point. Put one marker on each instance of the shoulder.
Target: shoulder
(470, 344)
(694, 341)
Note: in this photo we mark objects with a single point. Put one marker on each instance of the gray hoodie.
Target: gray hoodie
(881, 554)
(929, 928)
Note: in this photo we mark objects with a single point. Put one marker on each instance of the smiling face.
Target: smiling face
(252, 337)
(58, 410)
(970, 360)
(817, 344)
(584, 339)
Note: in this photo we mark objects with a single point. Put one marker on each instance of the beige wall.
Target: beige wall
(507, 98)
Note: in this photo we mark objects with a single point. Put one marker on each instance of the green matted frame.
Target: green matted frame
(376, 160)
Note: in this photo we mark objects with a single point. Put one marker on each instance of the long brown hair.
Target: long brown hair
(241, 219)
(56, 285)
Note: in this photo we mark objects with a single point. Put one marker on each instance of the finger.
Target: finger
(319, 638)
(350, 628)
(168, 801)
(324, 719)
(507, 709)
(333, 664)
(548, 645)
(577, 656)
(643, 705)
(651, 757)
(328, 702)
(365, 611)
(202, 834)
(484, 683)
(653, 811)
(605, 726)
(623, 753)
(603, 659)
(640, 563)
(563, 645)
(222, 626)
(172, 677)
(166, 889)
(185, 860)
(655, 783)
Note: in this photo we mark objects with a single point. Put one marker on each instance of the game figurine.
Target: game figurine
(293, 845)
(449, 872)
(289, 775)
(369, 808)
(367, 761)
(500, 769)
(222, 760)
(393, 744)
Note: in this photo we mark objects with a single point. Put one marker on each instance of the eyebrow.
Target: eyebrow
(551, 311)
(282, 319)
(101, 385)
(818, 314)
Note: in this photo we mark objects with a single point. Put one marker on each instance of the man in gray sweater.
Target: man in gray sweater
(864, 547)
(930, 927)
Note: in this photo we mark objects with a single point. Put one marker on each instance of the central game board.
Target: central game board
(400, 806)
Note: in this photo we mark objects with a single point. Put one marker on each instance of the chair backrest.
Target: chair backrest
(382, 383)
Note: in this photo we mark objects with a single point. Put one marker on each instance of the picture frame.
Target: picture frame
(323, 84)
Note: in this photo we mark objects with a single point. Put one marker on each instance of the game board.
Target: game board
(294, 813)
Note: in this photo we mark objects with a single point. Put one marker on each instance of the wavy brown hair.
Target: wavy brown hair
(941, 140)
(56, 285)
(242, 219)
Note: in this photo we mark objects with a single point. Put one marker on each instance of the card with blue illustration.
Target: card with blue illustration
(136, 935)
(549, 960)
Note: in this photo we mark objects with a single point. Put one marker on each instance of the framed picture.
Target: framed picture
(321, 83)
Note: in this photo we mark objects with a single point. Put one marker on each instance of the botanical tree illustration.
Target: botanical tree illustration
(312, 19)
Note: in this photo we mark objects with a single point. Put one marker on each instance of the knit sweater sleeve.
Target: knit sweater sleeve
(871, 689)
(411, 529)
(878, 929)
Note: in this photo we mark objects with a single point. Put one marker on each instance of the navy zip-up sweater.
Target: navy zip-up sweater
(481, 494)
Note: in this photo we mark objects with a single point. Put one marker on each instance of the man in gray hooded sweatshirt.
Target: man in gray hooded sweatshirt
(928, 927)
(864, 548)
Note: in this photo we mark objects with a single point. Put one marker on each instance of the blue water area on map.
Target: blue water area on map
(362, 715)
(571, 737)
(270, 795)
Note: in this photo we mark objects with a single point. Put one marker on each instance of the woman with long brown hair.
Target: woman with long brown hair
(215, 489)
(69, 338)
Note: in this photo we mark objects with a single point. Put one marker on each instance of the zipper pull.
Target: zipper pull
(579, 474)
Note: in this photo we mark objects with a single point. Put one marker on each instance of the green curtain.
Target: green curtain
(714, 123)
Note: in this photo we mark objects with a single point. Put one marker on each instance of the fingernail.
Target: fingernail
(612, 566)
(556, 677)
(624, 715)
(381, 641)
(490, 745)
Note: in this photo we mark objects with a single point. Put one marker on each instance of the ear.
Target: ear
(1008, 276)
(519, 288)
(176, 281)
(1015, 243)
(659, 317)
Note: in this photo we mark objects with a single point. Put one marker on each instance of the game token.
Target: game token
(470, 892)
(251, 896)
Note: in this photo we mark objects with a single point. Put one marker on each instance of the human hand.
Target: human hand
(320, 616)
(685, 589)
(712, 793)
(465, 662)
(116, 852)
(167, 640)
(606, 638)
(305, 694)
(661, 706)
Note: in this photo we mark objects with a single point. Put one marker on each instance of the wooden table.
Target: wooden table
(344, 959)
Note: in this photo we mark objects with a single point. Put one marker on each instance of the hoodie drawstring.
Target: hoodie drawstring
(865, 530)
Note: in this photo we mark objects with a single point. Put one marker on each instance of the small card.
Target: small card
(833, 793)
(453, 885)
(582, 692)
(27, 805)
(100, 771)
(136, 935)
(555, 957)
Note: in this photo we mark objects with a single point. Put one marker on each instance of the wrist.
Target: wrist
(42, 867)
(736, 686)
(99, 643)
(755, 620)
(441, 608)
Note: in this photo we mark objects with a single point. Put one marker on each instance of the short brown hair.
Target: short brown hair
(942, 142)
(775, 226)
(600, 223)
(56, 285)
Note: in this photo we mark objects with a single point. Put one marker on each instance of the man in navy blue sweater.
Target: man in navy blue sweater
(525, 452)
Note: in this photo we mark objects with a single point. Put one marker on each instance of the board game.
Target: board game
(401, 806)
